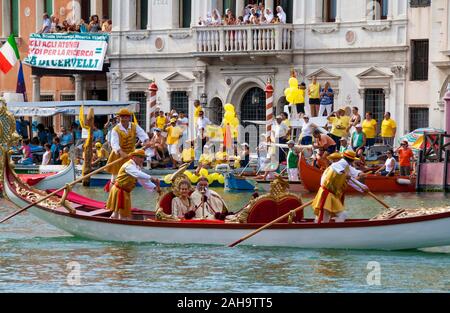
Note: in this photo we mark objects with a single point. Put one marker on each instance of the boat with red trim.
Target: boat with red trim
(311, 176)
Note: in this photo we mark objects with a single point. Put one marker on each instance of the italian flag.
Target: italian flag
(9, 54)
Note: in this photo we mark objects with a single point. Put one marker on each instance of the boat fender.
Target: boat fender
(403, 181)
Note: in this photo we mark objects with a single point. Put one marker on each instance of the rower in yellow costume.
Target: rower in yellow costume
(329, 201)
(123, 140)
(119, 200)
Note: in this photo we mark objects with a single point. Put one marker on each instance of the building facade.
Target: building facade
(24, 17)
(360, 47)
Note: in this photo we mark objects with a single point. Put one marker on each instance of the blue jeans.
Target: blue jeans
(306, 141)
(370, 142)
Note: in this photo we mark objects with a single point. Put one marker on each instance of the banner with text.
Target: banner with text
(71, 51)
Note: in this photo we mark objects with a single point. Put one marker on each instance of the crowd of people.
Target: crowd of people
(253, 14)
(52, 24)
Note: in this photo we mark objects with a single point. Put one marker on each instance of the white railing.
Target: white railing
(243, 38)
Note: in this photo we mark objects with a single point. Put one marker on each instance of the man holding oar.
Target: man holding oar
(119, 200)
(329, 201)
(123, 142)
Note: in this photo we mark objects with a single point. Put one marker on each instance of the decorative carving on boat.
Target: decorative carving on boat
(31, 196)
(408, 213)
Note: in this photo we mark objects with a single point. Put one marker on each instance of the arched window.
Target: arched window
(253, 105)
(216, 112)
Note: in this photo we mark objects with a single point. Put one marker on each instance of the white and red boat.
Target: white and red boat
(52, 180)
(395, 230)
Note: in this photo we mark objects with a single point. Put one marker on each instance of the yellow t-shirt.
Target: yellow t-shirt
(314, 91)
(197, 111)
(65, 160)
(161, 122)
(339, 125)
(187, 155)
(370, 128)
(173, 135)
(387, 128)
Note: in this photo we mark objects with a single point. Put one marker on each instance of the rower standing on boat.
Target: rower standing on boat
(123, 141)
(329, 201)
(119, 200)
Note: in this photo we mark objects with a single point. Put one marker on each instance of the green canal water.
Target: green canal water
(36, 257)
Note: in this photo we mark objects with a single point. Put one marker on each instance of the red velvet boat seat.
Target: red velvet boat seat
(166, 202)
(267, 209)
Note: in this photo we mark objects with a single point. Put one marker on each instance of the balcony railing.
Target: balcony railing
(263, 38)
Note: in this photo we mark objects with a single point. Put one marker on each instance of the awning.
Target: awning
(46, 109)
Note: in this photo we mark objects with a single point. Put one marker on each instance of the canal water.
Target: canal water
(36, 257)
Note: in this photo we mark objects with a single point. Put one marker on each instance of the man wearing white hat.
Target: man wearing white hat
(358, 141)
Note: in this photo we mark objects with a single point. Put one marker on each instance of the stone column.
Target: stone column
(6, 18)
(269, 4)
(78, 87)
(149, 15)
(240, 4)
(97, 8)
(116, 14)
(338, 11)
(298, 16)
(316, 6)
(447, 110)
(390, 15)
(36, 87)
(39, 12)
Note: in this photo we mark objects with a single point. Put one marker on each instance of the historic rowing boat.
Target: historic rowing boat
(393, 230)
(310, 177)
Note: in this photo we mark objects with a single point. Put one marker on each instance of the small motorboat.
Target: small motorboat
(397, 229)
(310, 177)
(248, 183)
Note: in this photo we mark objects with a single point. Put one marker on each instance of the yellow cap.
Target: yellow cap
(98, 145)
(350, 155)
(124, 112)
(138, 153)
(334, 156)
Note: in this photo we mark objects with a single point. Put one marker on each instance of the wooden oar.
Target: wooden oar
(270, 224)
(61, 189)
(374, 196)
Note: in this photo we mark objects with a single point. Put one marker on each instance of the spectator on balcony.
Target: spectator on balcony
(82, 27)
(108, 28)
(281, 15)
(94, 24)
(104, 23)
(67, 27)
(229, 18)
(46, 25)
(254, 17)
(216, 18)
(260, 9)
(56, 27)
(247, 14)
(268, 16)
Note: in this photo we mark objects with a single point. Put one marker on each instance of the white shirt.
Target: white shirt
(201, 124)
(46, 158)
(280, 130)
(307, 129)
(115, 141)
(339, 167)
(135, 171)
(389, 167)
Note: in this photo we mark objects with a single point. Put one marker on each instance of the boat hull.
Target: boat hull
(422, 231)
(248, 184)
(311, 176)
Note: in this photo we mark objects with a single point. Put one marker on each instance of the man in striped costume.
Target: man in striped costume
(119, 200)
(329, 201)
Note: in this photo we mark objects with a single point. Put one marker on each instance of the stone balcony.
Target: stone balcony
(265, 39)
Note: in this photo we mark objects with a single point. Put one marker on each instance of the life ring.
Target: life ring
(404, 181)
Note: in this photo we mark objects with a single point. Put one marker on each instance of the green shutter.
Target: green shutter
(49, 7)
(186, 14)
(15, 17)
(230, 4)
(144, 14)
(110, 9)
